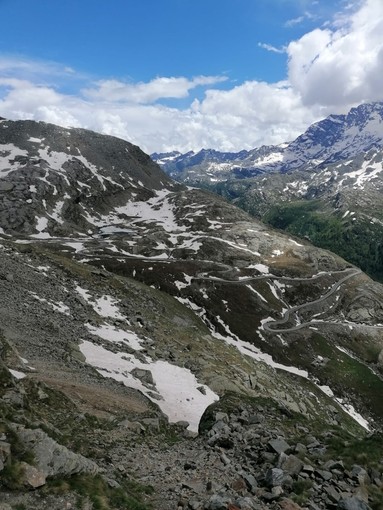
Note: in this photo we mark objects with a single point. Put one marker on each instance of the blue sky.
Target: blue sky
(187, 74)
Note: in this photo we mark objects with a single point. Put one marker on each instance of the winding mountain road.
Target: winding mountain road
(273, 326)
(293, 309)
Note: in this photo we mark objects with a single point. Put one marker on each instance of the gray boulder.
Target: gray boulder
(51, 458)
(32, 477)
(353, 504)
(290, 464)
(278, 445)
(218, 502)
(274, 477)
(360, 474)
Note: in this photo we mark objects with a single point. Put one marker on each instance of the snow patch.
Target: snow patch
(115, 335)
(17, 374)
(175, 389)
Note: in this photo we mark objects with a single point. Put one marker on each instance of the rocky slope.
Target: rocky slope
(137, 312)
(325, 186)
(336, 206)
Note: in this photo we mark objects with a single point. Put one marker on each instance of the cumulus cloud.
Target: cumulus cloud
(245, 116)
(340, 66)
(330, 69)
(159, 88)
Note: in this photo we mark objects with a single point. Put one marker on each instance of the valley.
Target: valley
(325, 186)
(146, 319)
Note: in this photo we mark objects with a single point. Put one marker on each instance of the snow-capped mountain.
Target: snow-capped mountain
(133, 306)
(338, 206)
(60, 178)
(336, 165)
(336, 138)
(214, 166)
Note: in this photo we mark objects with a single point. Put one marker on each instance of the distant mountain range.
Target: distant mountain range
(326, 186)
(333, 139)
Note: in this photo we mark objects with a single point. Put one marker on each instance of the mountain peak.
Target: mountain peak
(335, 138)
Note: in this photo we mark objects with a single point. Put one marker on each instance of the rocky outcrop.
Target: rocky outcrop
(52, 459)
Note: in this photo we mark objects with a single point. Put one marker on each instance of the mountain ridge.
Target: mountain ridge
(332, 139)
(137, 312)
(327, 186)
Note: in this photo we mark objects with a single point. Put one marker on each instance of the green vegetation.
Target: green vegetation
(12, 475)
(341, 372)
(103, 497)
(301, 491)
(365, 451)
(359, 242)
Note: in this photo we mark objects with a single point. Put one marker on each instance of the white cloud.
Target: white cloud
(306, 16)
(273, 49)
(159, 88)
(246, 116)
(330, 69)
(341, 66)
(294, 21)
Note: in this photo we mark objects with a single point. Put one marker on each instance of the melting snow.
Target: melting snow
(42, 224)
(110, 229)
(176, 388)
(56, 213)
(17, 374)
(54, 159)
(348, 408)
(256, 354)
(105, 306)
(183, 285)
(257, 293)
(294, 242)
(58, 306)
(75, 245)
(236, 246)
(8, 152)
(157, 209)
(366, 173)
(115, 335)
(262, 268)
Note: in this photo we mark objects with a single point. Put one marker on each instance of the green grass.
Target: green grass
(365, 452)
(342, 372)
(359, 242)
(102, 497)
(12, 474)
(300, 489)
